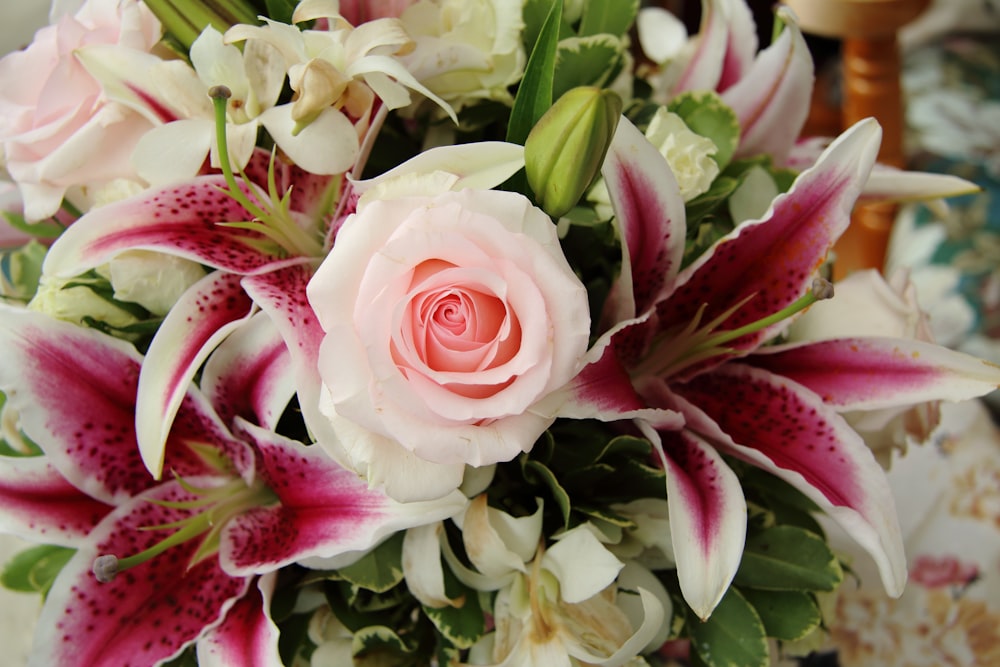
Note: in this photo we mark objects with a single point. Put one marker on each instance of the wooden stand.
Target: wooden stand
(868, 31)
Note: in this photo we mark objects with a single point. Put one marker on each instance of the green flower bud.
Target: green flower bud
(566, 148)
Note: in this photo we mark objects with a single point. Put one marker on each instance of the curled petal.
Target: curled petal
(707, 513)
(786, 429)
(207, 312)
(248, 637)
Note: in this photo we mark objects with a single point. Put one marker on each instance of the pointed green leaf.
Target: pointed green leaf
(787, 558)
(733, 636)
(706, 114)
(608, 16)
(534, 94)
(787, 615)
(381, 569)
(461, 626)
(548, 478)
(33, 570)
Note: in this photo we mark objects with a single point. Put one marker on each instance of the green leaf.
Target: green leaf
(787, 615)
(787, 558)
(33, 570)
(281, 10)
(706, 114)
(461, 626)
(586, 61)
(381, 639)
(534, 94)
(609, 16)
(379, 570)
(733, 636)
(548, 478)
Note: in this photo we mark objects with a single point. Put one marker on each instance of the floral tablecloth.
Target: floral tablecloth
(948, 490)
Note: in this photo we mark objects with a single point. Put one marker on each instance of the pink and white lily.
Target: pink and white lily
(691, 340)
(196, 551)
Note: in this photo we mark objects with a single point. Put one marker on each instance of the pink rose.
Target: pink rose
(448, 320)
(56, 128)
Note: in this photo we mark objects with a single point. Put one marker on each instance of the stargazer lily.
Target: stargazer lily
(263, 237)
(187, 560)
(692, 339)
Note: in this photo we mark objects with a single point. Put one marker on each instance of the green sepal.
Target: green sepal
(788, 558)
(733, 636)
(34, 569)
(787, 615)
(705, 113)
(379, 570)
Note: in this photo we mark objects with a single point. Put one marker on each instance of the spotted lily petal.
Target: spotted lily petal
(786, 429)
(707, 514)
(75, 392)
(873, 373)
(182, 219)
(207, 312)
(771, 262)
(147, 614)
(336, 513)
(248, 637)
(650, 216)
(250, 374)
(37, 503)
(772, 99)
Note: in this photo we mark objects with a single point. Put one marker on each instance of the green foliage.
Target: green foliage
(733, 636)
(788, 558)
(787, 615)
(706, 114)
(379, 570)
(534, 94)
(33, 570)
(612, 17)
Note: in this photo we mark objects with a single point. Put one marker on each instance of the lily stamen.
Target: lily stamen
(224, 503)
(696, 342)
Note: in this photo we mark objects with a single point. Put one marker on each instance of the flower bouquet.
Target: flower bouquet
(446, 332)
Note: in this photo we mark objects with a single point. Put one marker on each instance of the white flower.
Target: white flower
(466, 50)
(689, 154)
(151, 279)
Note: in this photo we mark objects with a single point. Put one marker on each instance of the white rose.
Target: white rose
(466, 50)
(151, 279)
(688, 153)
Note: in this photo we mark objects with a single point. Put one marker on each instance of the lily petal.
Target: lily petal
(75, 391)
(786, 429)
(207, 312)
(250, 374)
(37, 503)
(336, 513)
(874, 373)
(248, 637)
(182, 219)
(770, 263)
(772, 99)
(147, 614)
(707, 513)
(649, 212)
(726, 43)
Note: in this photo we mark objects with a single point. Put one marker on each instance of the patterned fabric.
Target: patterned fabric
(948, 490)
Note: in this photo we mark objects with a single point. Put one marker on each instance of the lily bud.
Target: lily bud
(184, 20)
(564, 151)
